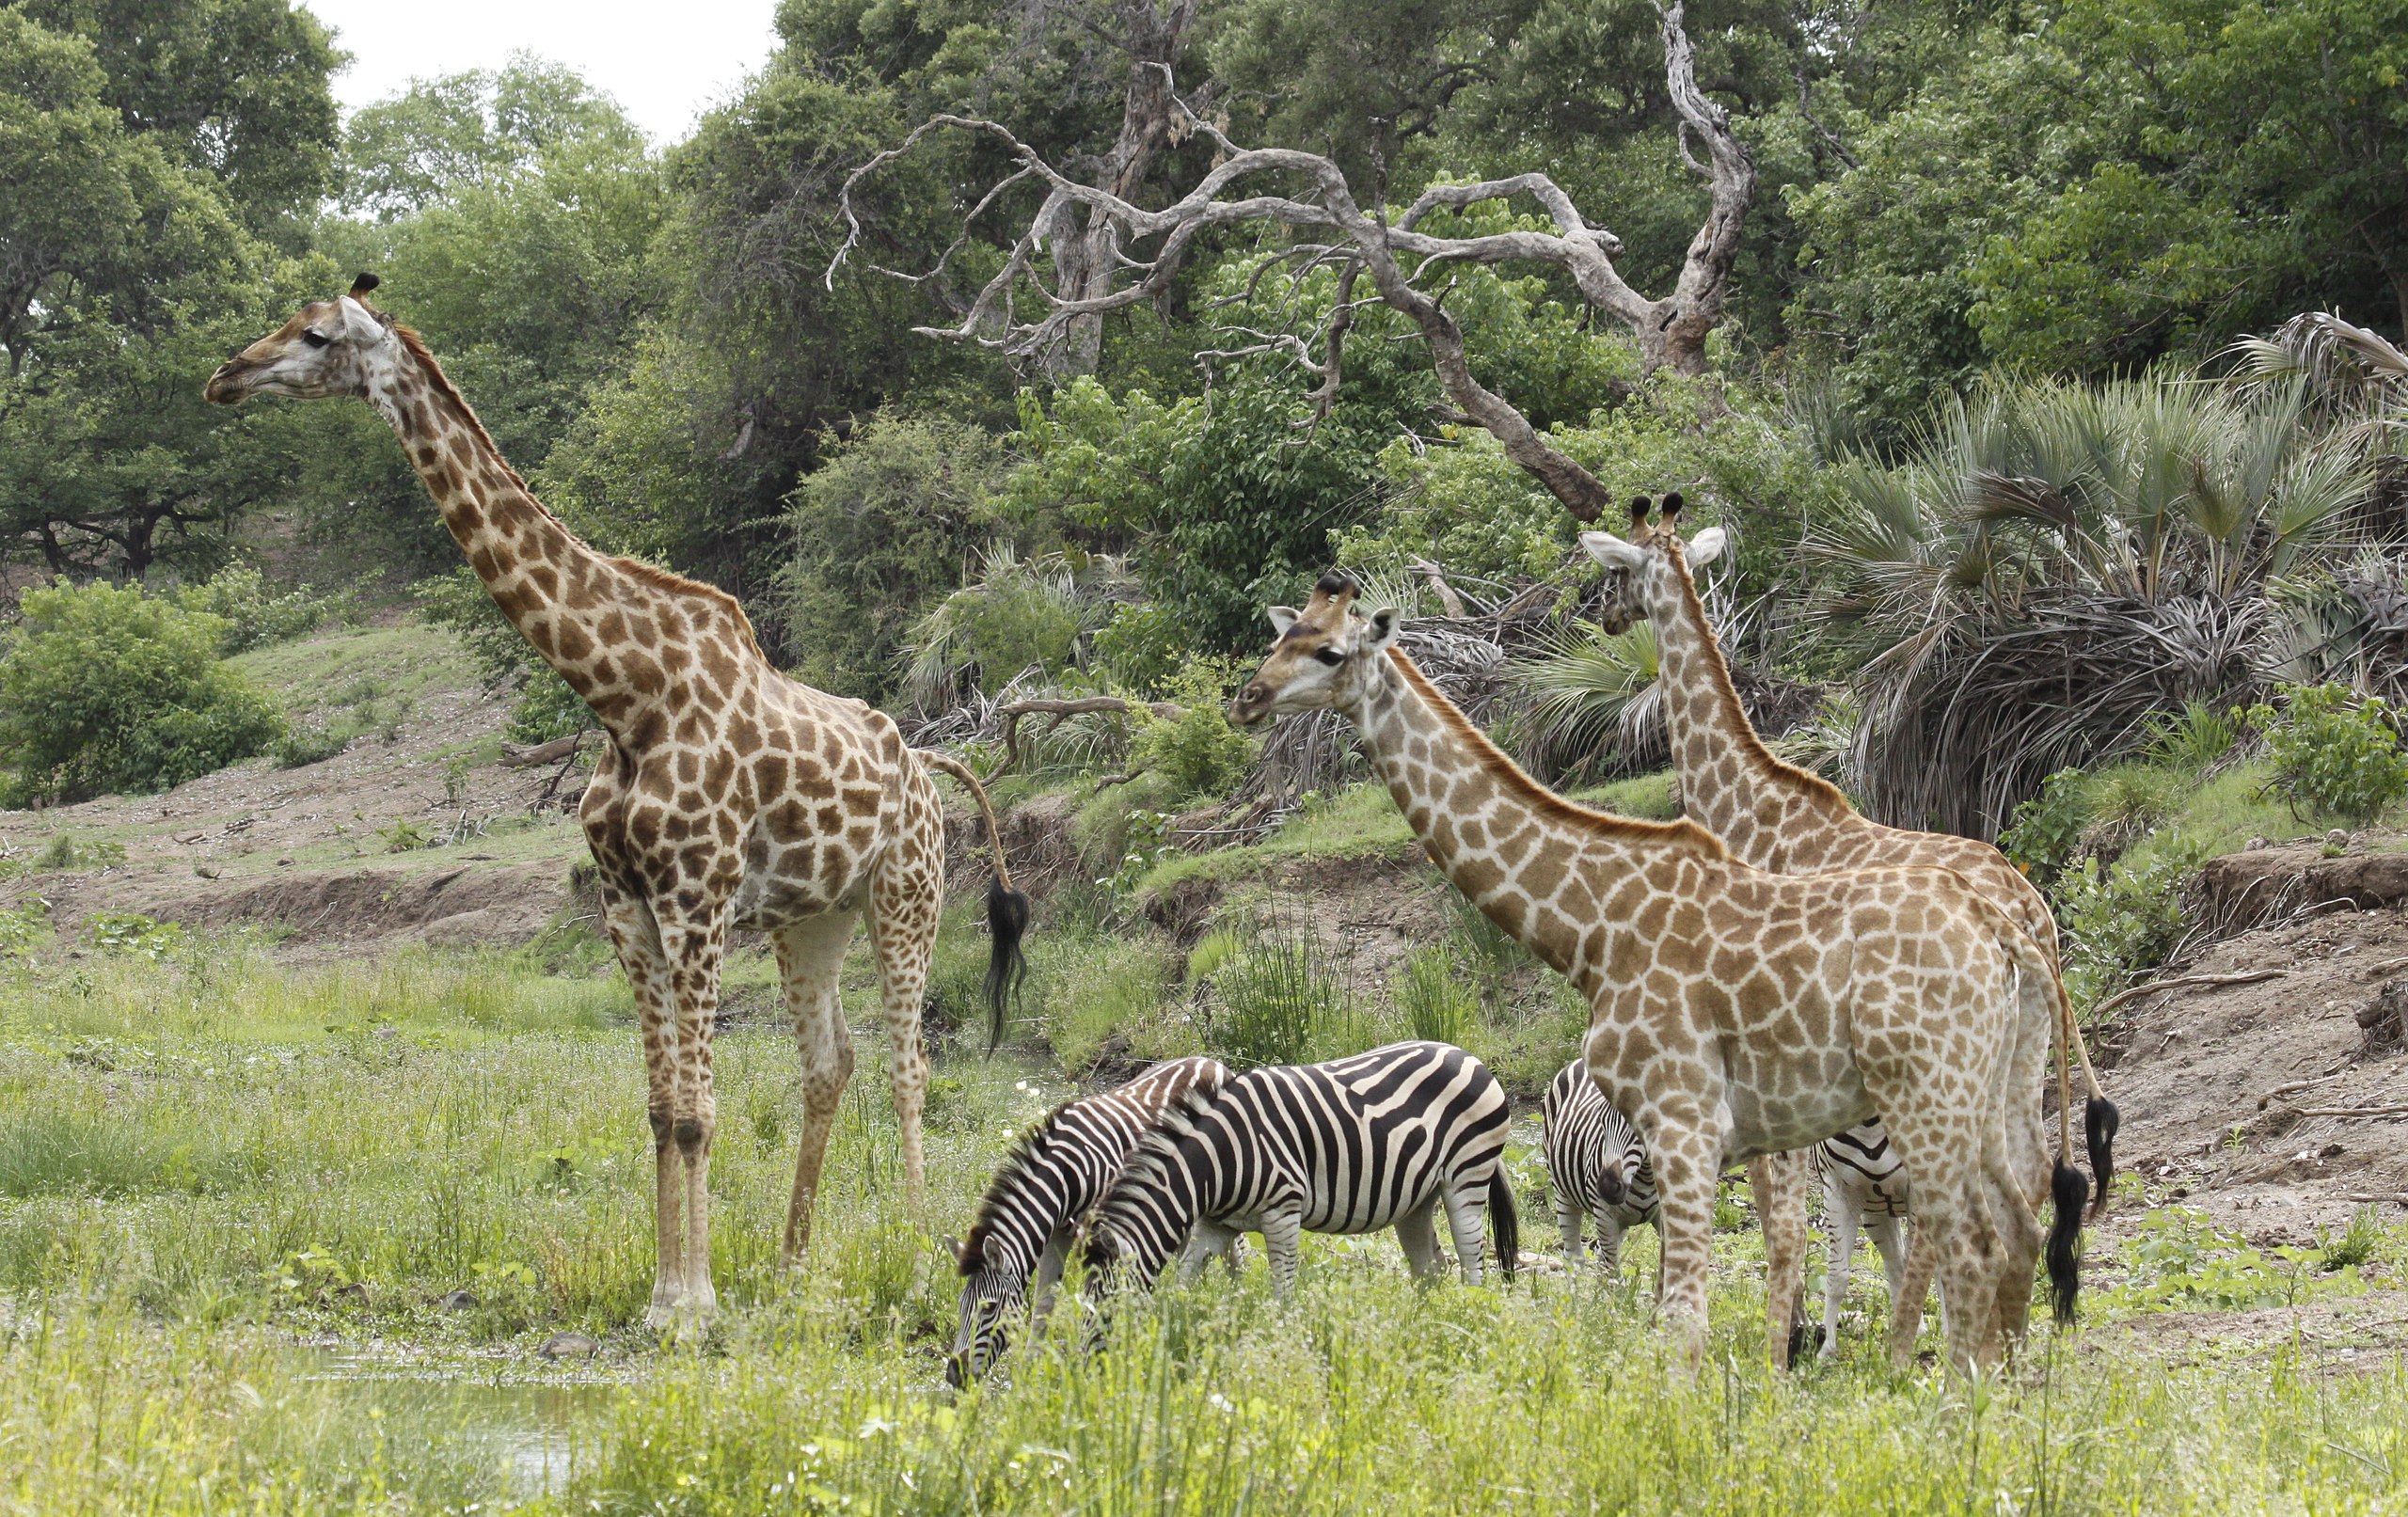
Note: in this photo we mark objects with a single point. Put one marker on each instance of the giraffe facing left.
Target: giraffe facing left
(727, 797)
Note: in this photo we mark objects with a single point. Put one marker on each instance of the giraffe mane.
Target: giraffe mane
(1517, 781)
(1726, 693)
(650, 573)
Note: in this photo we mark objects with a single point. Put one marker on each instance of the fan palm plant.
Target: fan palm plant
(1593, 698)
(2055, 563)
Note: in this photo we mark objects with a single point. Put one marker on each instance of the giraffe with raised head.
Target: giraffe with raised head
(727, 797)
(1777, 816)
(1734, 1012)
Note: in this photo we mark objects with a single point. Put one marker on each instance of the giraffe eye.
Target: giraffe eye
(315, 339)
(1330, 656)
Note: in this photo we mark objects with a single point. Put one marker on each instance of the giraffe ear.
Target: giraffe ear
(1282, 618)
(1381, 632)
(359, 324)
(1706, 546)
(1612, 551)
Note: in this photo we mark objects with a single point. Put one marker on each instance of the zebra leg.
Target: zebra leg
(1609, 1245)
(1417, 1235)
(1283, 1234)
(1208, 1239)
(1467, 1209)
(1843, 1212)
(1049, 1274)
(1567, 1222)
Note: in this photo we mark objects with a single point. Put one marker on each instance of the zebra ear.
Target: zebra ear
(953, 1246)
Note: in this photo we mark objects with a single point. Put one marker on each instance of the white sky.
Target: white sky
(664, 64)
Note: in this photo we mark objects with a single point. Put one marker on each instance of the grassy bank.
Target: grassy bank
(234, 1199)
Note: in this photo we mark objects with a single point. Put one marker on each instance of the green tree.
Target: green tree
(103, 688)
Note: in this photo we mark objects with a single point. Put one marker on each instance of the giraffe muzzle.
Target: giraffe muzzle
(225, 386)
(1251, 706)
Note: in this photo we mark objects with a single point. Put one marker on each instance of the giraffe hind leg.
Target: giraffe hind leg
(907, 897)
(810, 953)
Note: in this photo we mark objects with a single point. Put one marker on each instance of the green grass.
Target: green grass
(338, 670)
(232, 1195)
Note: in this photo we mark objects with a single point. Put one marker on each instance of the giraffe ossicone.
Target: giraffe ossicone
(728, 796)
(1735, 1014)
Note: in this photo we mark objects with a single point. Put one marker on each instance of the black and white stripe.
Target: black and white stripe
(1863, 1185)
(1596, 1166)
(1045, 1187)
(1348, 1146)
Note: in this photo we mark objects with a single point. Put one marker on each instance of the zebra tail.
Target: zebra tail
(1505, 1220)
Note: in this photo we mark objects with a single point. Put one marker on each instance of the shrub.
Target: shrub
(1201, 753)
(2046, 832)
(64, 852)
(254, 612)
(2198, 738)
(2333, 757)
(105, 689)
(2125, 918)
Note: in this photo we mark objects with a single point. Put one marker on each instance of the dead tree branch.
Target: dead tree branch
(1308, 194)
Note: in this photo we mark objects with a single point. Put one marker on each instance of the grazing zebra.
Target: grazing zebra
(1046, 1185)
(1348, 1146)
(1596, 1166)
(1863, 1183)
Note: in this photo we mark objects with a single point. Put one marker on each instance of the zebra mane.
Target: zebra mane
(1147, 1163)
(1008, 1178)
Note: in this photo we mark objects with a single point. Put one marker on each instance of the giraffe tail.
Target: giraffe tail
(2099, 1119)
(2041, 990)
(1008, 908)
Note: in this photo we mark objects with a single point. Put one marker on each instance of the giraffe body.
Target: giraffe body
(1780, 817)
(729, 796)
(1735, 1014)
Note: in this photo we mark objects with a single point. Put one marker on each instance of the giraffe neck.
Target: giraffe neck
(566, 597)
(1730, 782)
(1509, 844)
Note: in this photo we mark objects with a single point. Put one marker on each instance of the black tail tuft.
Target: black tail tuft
(2099, 1120)
(2069, 1190)
(1504, 1219)
(1006, 966)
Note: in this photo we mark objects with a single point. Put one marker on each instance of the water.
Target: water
(504, 1427)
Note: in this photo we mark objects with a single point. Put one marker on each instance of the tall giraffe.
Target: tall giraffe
(1733, 1013)
(728, 796)
(1777, 816)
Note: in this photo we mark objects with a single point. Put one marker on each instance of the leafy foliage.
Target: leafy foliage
(2335, 756)
(105, 689)
(1201, 753)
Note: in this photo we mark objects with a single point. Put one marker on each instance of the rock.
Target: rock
(460, 1301)
(2336, 840)
(569, 1346)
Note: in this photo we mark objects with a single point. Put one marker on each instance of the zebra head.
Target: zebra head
(993, 1294)
(1317, 656)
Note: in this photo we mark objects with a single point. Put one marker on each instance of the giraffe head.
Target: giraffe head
(330, 347)
(1318, 656)
(1642, 572)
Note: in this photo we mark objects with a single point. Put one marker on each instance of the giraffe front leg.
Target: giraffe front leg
(1687, 1166)
(906, 901)
(693, 949)
(1777, 1182)
(809, 955)
(636, 937)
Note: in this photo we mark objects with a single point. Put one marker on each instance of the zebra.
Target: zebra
(1598, 1167)
(1352, 1146)
(1596, 1164)
(1027, 1219)
(1863, 1183)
